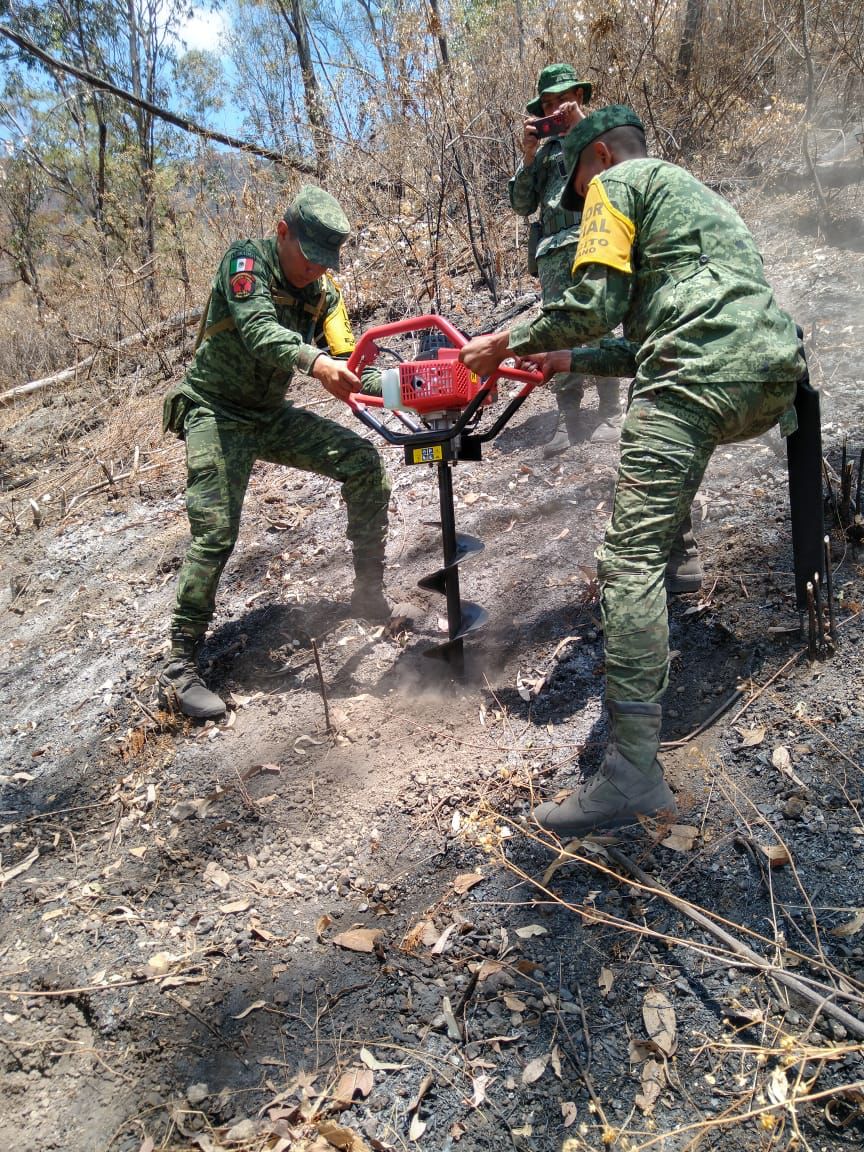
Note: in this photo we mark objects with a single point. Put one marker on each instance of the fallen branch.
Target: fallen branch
(822, 1002)
(179, 320)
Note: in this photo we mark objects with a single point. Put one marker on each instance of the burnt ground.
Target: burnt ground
(174, 967)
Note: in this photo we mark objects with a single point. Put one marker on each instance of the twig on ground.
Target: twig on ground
(322, 687)
(821, 998)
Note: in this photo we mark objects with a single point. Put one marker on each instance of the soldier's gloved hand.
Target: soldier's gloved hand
(335, 376)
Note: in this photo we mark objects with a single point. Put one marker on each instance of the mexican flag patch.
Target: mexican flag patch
(242, 264)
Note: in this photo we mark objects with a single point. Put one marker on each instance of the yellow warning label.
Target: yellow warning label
(428, 454)
(606, 235)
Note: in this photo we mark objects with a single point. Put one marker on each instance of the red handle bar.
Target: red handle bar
(366, 351)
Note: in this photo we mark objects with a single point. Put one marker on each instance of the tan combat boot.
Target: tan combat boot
(573, 427)
(683, 569)
(608, 431)
(628, 785)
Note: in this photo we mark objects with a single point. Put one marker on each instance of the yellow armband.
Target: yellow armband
(606, 235)
(337, 330)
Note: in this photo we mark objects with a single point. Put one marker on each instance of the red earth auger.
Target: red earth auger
(441, 404)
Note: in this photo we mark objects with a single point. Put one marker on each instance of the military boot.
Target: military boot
(572, 424)
(683, 569)
(368, 601)
(180, 685)
(608, 431)
(628, 785)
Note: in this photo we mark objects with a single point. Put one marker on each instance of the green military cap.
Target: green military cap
(320, 225)
(585, 133)
(557, 78)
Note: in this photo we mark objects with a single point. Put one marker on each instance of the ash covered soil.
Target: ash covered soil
(264, 935)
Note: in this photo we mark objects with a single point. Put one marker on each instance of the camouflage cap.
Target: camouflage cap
(585, 133)
(320, 225)
(557, 78)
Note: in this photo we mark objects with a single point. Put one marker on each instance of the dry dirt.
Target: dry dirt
(174, 969)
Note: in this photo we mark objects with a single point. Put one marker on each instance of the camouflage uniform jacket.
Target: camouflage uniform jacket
(537, 186)
(263, 329)
(675, 264)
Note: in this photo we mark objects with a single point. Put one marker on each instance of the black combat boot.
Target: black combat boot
(368, 601)
(683, 568)
(628, 785)
(181, 688)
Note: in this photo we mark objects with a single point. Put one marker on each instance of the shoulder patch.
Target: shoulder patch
(242, 285)
(606, 235)
(241, 264)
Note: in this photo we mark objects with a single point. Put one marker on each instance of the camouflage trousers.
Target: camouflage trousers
(666, 443)
(554, 270)
(220, 453)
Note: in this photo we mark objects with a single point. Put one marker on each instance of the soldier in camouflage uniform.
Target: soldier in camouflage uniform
(715, 360)
(537, 186)
(272, 311)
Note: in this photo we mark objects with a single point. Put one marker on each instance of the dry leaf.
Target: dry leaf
(568, 1112)
(653, 1082)
(321, 926)
(605, 980)
(162, 962)
(777, 1086)
(371, 1061)
(513, 1003)
(242, 1131)
(234, 906)
(442, 943)
(681, 837)
(417, 1127)
(851, 926)
(216, 875)
(776, 854)
(555, 1060)
(352, 1082)
(782, 761)
(359, 939)
(488, 968)
(750, 737)
(346, 1139)
(138, 853)
(639, 1050)
(479, 1085)
(530, 930)
(467, 881)
(252, 1008)
(185, 809)
(659, 1017)
(535, 1069)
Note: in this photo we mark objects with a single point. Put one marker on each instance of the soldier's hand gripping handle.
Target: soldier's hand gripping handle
(336, 377)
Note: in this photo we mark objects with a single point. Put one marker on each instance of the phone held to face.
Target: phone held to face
(554, 125)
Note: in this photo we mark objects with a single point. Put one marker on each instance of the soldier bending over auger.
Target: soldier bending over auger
(271, 312)
(716, 360)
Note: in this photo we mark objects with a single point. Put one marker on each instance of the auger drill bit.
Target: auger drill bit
(463, 617)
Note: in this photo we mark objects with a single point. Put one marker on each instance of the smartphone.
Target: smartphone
(554, 125)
